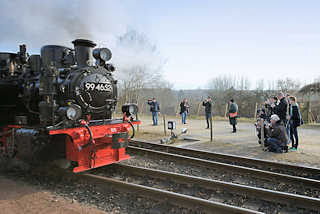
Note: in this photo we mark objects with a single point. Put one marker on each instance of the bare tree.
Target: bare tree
(288, 84)
(260, 85)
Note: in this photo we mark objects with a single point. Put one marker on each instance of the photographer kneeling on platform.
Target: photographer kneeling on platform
(276, 134)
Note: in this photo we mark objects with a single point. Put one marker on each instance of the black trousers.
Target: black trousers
(208, 117)
(234, 127)
(294, 136)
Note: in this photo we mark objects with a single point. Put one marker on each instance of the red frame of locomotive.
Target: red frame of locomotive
(106, 144)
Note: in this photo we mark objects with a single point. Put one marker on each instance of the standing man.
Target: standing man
(281, 108)
(184, 109)
(155, 110)
(268, 105)
(295, 121)
(233, 114)
(208, 109)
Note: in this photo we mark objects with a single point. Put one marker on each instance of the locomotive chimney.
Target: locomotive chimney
(83, 49)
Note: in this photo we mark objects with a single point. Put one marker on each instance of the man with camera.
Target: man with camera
(262, 120)
(208, 109)
(272, 101)
(184, 109)
(277, 135)
(282, 108)
(155, 110)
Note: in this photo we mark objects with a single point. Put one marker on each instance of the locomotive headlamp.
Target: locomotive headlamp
(130, 109)
(103, 54)
(73, 112)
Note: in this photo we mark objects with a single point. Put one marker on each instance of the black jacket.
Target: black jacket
(281, 109)
(183, 107)
(208, 106)
(295, 117)
(154, 106)
(270, 110)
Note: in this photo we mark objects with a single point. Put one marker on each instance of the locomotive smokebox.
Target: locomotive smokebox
(83, 49)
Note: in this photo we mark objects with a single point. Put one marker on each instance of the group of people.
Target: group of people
(281, 118)
(184, 110)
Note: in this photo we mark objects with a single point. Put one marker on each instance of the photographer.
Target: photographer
(272, 101)
(295, 121)
(155, 110)
(208, 109)
(184, 109)
(262, 121)
(281, 108)
(277, 136)
(261, 113)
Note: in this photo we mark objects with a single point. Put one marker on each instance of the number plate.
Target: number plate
(93, 86)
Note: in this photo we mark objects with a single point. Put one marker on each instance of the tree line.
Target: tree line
(141, 79)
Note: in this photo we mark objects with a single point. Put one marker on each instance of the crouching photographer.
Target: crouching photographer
(277, 136)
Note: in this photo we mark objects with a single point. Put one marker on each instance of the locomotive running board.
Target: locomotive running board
(107, 146)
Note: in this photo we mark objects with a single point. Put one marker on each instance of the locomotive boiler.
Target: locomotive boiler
(59, 104)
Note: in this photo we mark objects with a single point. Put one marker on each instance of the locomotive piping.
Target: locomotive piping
(133, 130)
(92, 148)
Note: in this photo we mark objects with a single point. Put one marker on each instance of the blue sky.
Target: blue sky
(258, 39)
(202, 39)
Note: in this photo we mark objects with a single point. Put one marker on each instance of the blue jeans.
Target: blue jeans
(155, 118)
(184, 116)
(208, 116)
(274, 145)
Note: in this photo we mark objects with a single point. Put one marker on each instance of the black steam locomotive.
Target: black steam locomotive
(60, 103)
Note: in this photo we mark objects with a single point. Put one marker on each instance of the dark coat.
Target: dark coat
(281, 109)
(270, 110)
(295, 116)
(208, 106)
(278, 131)
(233, 109)
(154, 106)
(184, 107)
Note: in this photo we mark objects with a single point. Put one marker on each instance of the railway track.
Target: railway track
(276, 181)
(182, 200)
(105, 183)
(204, 194)
(212, 189)
(290, 169)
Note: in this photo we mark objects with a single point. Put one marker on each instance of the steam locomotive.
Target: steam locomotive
(59, 105)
